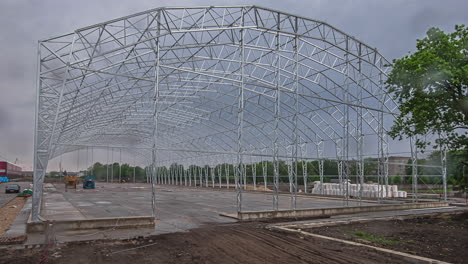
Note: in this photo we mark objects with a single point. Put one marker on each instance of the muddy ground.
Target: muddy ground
(228, 243)
(442, 237)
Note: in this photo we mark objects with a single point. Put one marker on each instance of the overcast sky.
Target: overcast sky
(390, 25)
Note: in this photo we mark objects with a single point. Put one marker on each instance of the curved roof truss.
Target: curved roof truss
(186, 83)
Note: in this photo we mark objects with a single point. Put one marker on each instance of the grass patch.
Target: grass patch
(376, 239)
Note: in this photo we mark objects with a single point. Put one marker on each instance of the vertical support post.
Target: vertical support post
(414, 163)
(206, 176)
(346, 125)
(185, 171)
(212, 169)
(156, 114)
(177, 174)
(254, 175)
(92, 161)
(385, 162)
(157, 170)
(194, 170)
(87, 162)
(112, 168)
(240, 118)
(190, 168)
(226, 168)
(384, 140)
(174, 174)
(339, 153)
(359, 134)
(304, 174)
(265, 174)
(39, 168)
(200, 174)
(320, 163)
(220, 171)
(295, 115)
(180, 169)
(244, 173)
(120, 165)
(161, 174)
(181, 174)
(291, 179)
(153, 187)
(107, 166)
(146, 174)
(443, 163)
(277, 116)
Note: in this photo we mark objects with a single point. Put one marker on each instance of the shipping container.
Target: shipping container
(9, 170)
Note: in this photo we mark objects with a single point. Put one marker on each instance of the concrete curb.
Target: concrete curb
(326, 212)
(341, 221)
(94, 223)
(401, 254)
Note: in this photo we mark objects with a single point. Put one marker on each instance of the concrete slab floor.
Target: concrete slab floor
(178, 208)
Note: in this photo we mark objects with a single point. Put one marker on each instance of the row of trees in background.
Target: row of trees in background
(455, 168)
(429, 171)
(112, 172)
(115, 171)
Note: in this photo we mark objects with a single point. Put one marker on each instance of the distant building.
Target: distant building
(9, 170)
(397, 165)
(27, 173)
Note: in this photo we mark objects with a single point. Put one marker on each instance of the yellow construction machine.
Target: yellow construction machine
(71, 182)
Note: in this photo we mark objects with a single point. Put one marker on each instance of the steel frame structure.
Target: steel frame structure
(213, 85)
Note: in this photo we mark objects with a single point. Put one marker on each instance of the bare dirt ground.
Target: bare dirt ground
(227, 243)
(442, 237)
(9, 212)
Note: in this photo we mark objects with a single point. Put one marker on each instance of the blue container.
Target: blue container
(88, 182)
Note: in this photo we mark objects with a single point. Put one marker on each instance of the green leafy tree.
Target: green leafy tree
(457, 161)
(431, 87)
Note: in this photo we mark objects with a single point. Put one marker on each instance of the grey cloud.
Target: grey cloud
(391, 26)
(4, 119)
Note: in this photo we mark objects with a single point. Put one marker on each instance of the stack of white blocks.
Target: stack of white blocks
(368, 190)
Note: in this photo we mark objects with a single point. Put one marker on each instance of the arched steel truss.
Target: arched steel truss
(213, 85)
